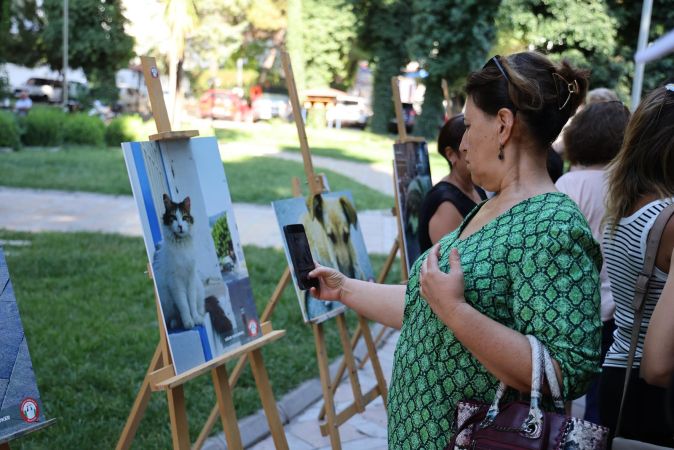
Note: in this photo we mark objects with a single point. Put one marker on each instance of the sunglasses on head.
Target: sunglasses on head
(496, 61)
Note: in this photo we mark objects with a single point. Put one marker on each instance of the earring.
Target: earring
(500, 152)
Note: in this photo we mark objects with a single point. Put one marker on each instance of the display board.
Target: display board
(413, 181)
(191, 238)
(21, 409)
(331, 223)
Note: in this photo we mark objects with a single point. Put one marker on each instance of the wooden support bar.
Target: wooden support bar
(351, 410)
(268, 401)
(161, 375)
(398, 107)
(226, 406)
(340, 371)
(315, 182)
(323, 368)
(139, 404)
(401, 244)
(372, 351)
(156, 94)
(4, 446)
(180, 432)
(350, 363)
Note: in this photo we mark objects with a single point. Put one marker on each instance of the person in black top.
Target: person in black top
(449, 201)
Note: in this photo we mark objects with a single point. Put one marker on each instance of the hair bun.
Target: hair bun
(571, 83)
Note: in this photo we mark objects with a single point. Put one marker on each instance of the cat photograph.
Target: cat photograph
(203, 289)
(181, 290)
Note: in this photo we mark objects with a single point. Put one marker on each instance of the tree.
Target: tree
(97, 44)
(581, 31)
(627, 13)
(329, 35)
(383, 27)
(449, 38)
(22, 34)
(295, 41)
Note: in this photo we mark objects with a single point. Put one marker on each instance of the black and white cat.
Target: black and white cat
(181, 290)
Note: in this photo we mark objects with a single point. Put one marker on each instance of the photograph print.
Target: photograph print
(413, 181)
(331, 224)
(21, 409)
(192, 241)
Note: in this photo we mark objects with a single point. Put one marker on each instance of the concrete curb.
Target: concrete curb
(254, 428)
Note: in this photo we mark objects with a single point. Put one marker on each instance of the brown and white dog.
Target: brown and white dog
(328, 225)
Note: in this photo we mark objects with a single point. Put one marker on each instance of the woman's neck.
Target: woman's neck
(462, 182)
(527, 176)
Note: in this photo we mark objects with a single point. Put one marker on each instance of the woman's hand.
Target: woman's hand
(331, 282)
(442, 291)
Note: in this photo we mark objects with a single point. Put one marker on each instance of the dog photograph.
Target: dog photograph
(330, 221)
(20, 405)
(413, 181)
(193, 244)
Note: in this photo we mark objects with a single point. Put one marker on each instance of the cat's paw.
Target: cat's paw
(188, 324)
(199, 319)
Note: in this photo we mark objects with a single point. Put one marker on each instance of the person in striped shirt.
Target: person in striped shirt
(640, 185)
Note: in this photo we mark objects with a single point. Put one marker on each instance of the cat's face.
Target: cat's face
(177, 217)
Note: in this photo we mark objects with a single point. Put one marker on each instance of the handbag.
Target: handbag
(518, 425)
(640, 291)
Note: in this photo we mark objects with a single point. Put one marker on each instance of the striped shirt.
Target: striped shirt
(624, 252)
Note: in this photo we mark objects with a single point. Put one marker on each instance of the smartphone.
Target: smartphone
(300, 255)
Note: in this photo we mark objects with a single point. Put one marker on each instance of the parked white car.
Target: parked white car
(348, 110)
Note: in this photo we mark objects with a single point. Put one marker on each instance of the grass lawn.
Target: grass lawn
(346, 144)
(72, 168)
(89, 315)
(258, 180)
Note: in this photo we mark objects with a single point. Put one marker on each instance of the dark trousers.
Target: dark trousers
(644, 413)
(592, 401)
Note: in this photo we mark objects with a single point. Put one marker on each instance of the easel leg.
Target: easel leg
(376, 366)
(226, 406)
(350, 363)
(4, 446)
(139, 405)
(241, 364)
(180, 431)
(328, 399)
(268, 401)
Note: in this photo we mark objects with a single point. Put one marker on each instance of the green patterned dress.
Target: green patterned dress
(534, 268)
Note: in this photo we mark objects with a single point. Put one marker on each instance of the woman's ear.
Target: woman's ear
(506, 121)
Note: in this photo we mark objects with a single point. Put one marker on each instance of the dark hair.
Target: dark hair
(596, 133)
(645, 162)
(543, 95)
(555, 165)
(450, 136)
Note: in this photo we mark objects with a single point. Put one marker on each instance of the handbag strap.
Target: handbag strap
(640, 291)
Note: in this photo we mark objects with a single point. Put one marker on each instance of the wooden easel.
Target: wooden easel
(398, 245)
(161, 373)
(330, 417)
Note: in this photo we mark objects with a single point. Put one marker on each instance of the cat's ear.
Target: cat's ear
(186, 204)
(167, 202)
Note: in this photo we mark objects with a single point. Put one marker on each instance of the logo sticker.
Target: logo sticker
(253, 327)
(154, 72)
(30, 412)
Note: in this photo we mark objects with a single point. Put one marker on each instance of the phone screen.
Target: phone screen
(300, 254)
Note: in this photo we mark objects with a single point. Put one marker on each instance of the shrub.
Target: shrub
(44, 126)
(9, 131)
(83, 129)
(124, 128)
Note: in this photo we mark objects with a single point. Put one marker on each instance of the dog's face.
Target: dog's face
(336, 217)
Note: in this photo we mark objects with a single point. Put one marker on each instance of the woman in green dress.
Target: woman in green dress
(523, 262)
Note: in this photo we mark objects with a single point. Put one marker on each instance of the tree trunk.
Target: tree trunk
(429, 122)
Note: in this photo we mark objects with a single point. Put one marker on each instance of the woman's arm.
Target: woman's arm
(445, 220)
(504, 352)
(657, 362)
(382, 303)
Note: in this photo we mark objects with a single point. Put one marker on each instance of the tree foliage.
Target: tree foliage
(329, 35)
(383, 27)
(23, 42)
(449, 38)
(581, 31)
